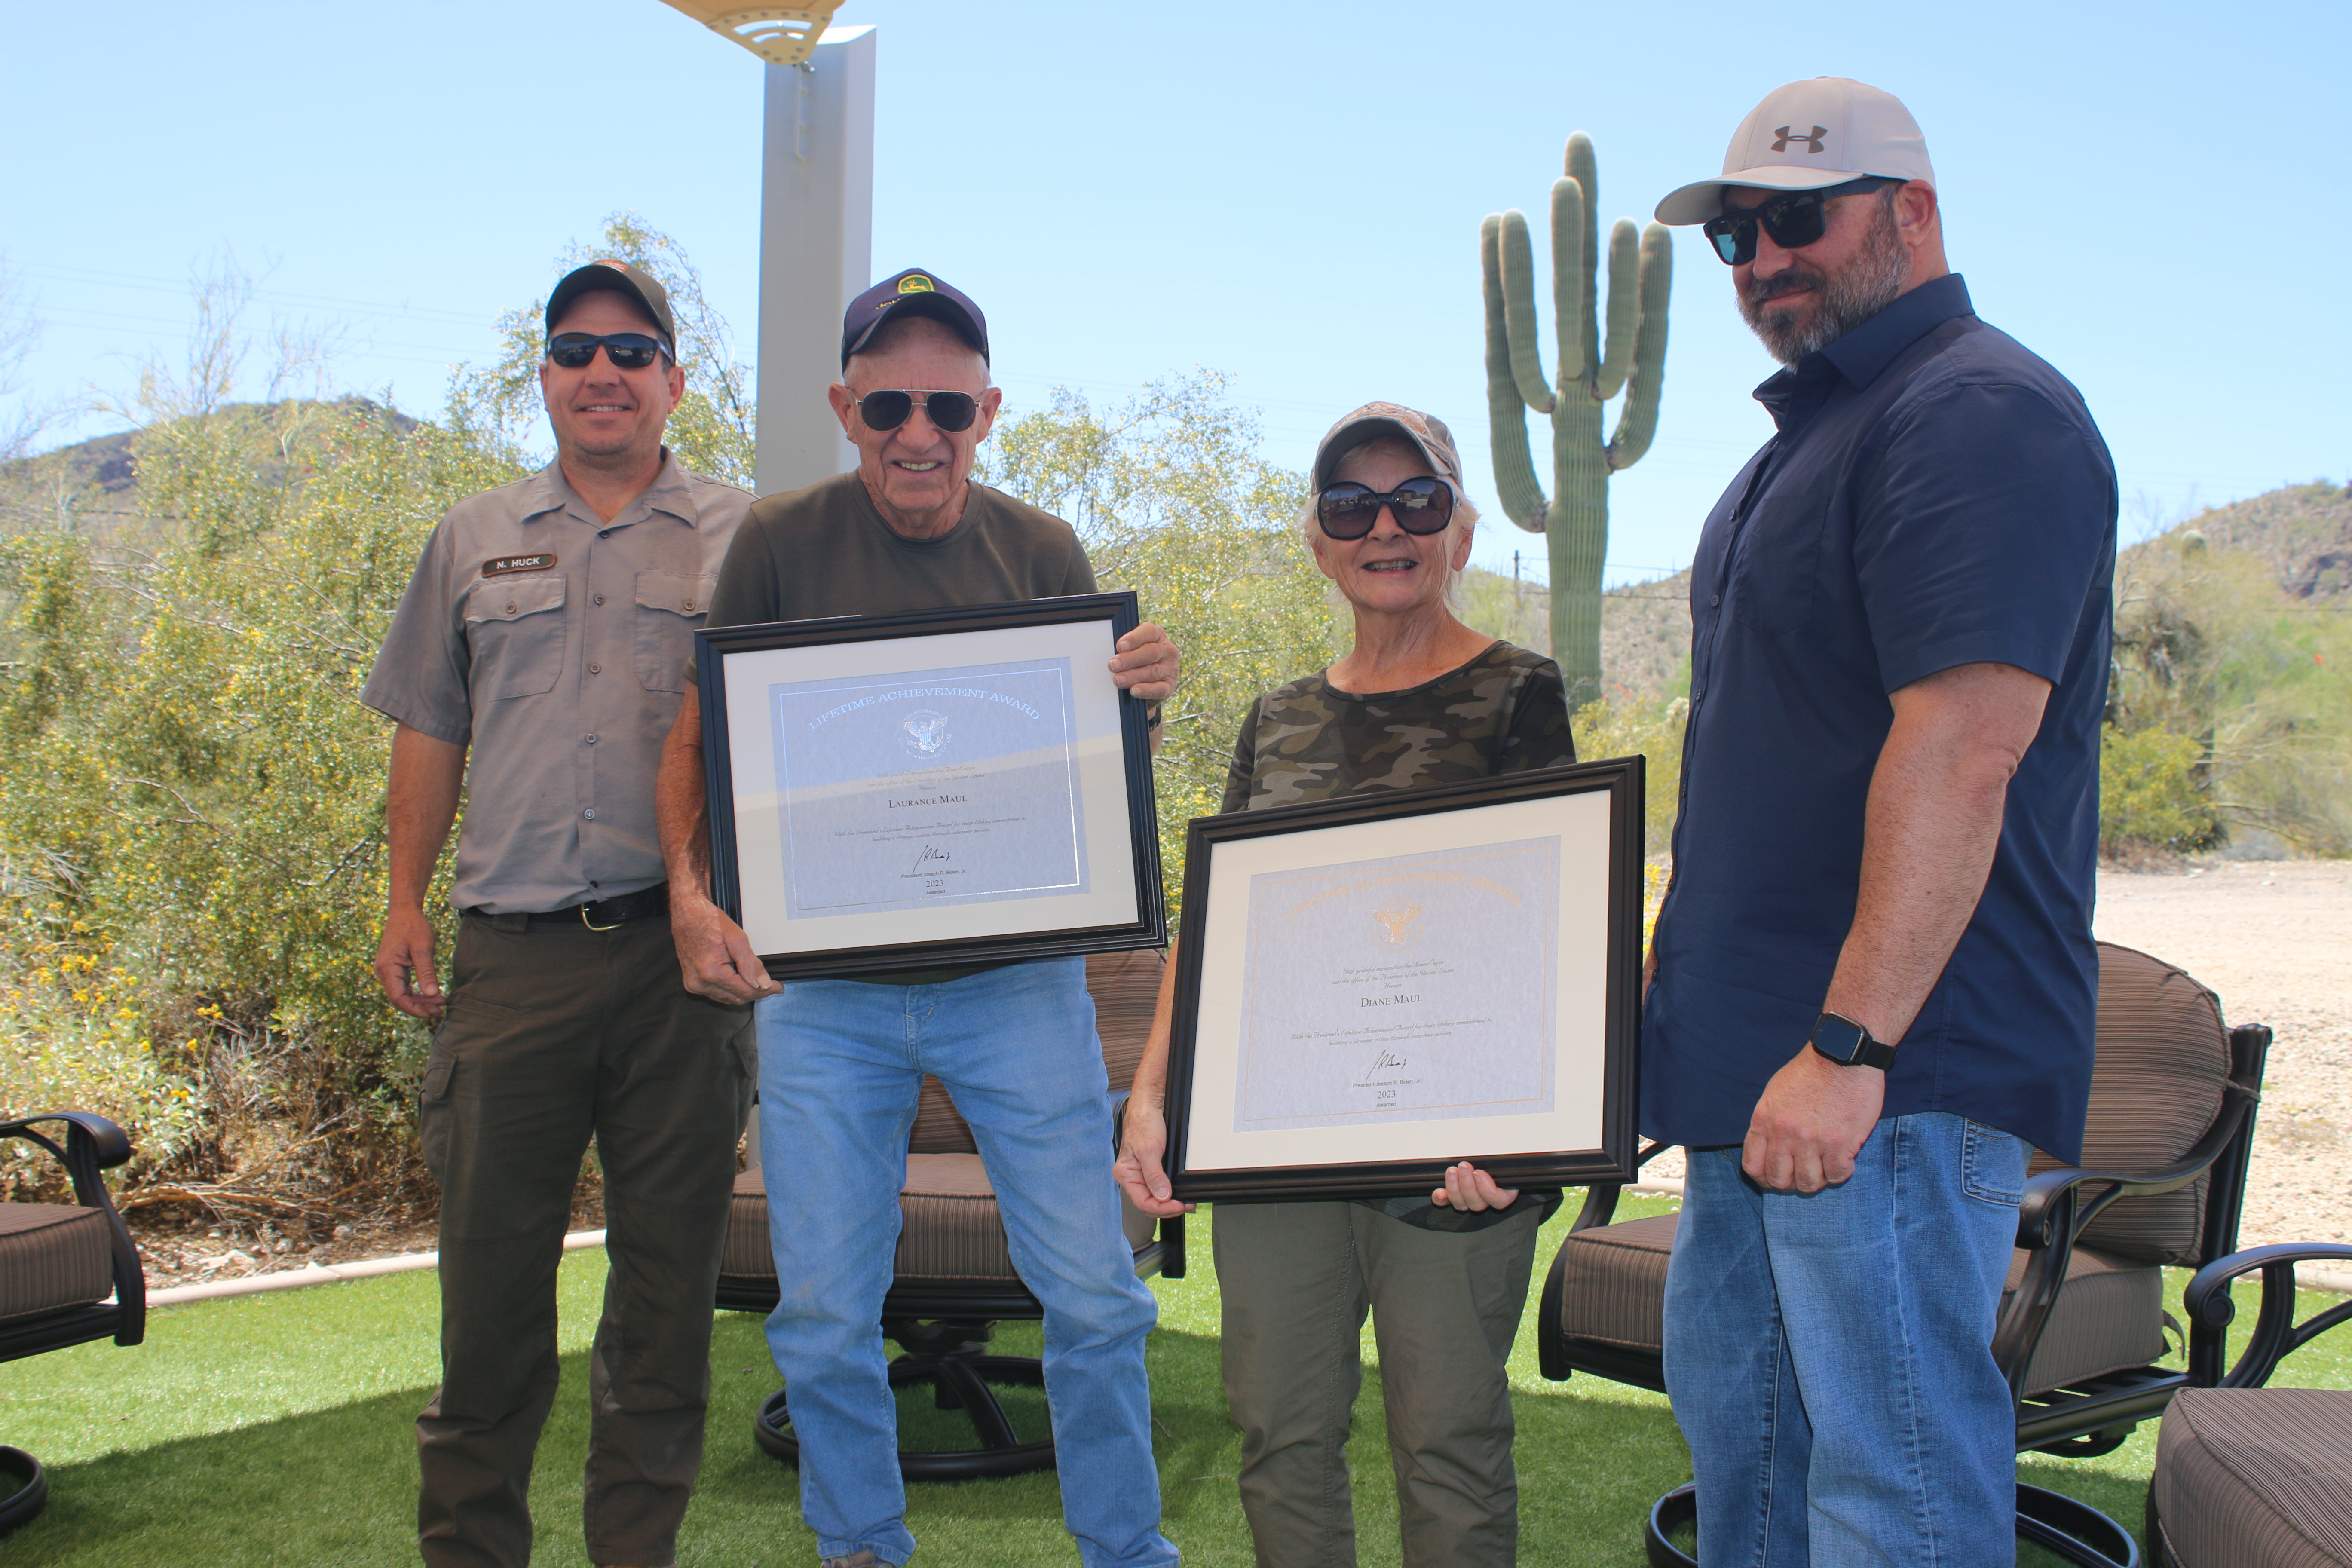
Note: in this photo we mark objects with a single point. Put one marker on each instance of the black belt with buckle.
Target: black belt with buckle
(601, 915)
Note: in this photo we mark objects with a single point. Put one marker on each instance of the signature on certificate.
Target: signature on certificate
(931, 852)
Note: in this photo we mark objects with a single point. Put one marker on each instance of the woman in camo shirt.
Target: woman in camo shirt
(1419, 699)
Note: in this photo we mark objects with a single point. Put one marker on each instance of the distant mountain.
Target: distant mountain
(2302, 534)
(93, 486)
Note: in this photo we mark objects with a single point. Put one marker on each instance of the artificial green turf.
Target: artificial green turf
(277, 1429)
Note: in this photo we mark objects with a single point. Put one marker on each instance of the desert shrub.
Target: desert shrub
(2150, 793)
(2209, 645)
(191, 795)
(1653, 729)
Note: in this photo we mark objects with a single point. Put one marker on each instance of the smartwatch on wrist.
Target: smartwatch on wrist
(1848, 1044)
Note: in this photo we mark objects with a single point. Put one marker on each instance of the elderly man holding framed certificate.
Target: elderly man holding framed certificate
(843, 1055)
(1369, 979)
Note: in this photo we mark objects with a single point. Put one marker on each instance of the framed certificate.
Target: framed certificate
(955, 786)
(1372, 988)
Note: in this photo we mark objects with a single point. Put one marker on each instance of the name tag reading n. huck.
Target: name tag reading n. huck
(938, 786)
(500, 565)
(1416, 988)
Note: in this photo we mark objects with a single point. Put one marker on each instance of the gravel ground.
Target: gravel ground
(2273, 940)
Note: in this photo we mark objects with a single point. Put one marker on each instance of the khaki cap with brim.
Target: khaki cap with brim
(1807, 135)
(1425, 433)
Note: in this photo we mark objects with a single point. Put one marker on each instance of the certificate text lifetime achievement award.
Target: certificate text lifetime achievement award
(1415, 988)
(929, 788)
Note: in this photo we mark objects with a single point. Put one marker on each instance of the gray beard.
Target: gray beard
(1843, 300)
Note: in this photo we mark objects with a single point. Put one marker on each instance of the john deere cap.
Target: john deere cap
(621, 278)
(913, 292)
(1806, 135)
(1426, 434)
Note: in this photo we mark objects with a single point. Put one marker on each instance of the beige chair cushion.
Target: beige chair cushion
(2256, 1478)
(2109, 1315)
(52, 1257)
(2155, 1087)
(949, 1227)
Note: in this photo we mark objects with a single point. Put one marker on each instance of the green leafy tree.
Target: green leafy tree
(713, 428)
(1172, 500)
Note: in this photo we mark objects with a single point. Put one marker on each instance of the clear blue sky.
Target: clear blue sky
(1289, 193)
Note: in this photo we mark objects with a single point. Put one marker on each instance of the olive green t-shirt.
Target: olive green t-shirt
(825, 551)
(1505, 711)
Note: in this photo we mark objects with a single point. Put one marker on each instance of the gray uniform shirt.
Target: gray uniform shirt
(555, 645)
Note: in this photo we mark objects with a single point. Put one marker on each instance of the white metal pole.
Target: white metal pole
(816, 251)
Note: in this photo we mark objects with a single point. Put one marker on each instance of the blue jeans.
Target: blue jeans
(841, 1066)
(1830, 1355)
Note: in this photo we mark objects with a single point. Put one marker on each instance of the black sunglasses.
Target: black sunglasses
(1349, 511)
(1794, 221)
(888, 410)
(627, 350)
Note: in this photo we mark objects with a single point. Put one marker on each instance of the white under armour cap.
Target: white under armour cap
(1809, 134)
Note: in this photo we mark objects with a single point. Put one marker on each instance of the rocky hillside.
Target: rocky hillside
(92, 486)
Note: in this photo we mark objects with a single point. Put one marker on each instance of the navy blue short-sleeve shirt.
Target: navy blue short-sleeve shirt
(1935, 496)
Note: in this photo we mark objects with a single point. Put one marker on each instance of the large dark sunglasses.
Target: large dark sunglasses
(1794, 221)
(627, 350)
(1420, 506)
(888, 410)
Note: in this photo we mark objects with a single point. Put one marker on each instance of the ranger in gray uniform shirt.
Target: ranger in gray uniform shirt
(546, 632)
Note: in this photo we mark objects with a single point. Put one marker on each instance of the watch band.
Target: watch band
(1848, 1044)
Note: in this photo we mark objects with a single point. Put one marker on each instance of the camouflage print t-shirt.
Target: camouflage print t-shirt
(1502, 712)
(1505, 712)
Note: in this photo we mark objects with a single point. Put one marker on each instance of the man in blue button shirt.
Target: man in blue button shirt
(1873, 980)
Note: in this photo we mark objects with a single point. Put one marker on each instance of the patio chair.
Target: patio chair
(2249, 1476)
(955, 1278)
(2081, 1322)
(59, 1265)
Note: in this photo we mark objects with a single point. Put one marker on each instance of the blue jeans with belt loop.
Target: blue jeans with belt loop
(841, 1068)
(1830, 1354)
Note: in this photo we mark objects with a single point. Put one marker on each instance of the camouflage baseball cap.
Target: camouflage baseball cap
(621, 278)
(1425, 433)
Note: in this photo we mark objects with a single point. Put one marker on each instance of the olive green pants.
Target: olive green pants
(1297, 1281)
(556, 1035)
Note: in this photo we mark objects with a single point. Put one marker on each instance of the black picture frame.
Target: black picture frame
(1116, 612)
(1610, 1158)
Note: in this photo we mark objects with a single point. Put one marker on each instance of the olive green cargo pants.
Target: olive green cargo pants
(557, 1034)
(1297, 1281)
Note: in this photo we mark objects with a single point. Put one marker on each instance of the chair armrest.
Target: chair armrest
(93, 1144)
(108, 1143)
(2052, 1192)
(2275, 1334)
(2044, 1194)
(1601, 1198)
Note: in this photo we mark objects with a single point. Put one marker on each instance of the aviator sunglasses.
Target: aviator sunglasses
(1794, 221)
(1349, 511)
(627, 350)
(887, 410)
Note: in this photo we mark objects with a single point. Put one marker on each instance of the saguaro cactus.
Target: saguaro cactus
(1633, 358)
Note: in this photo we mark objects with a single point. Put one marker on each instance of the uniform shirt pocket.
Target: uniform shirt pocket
(516, 630)
(670, 606)
(1779, 562)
